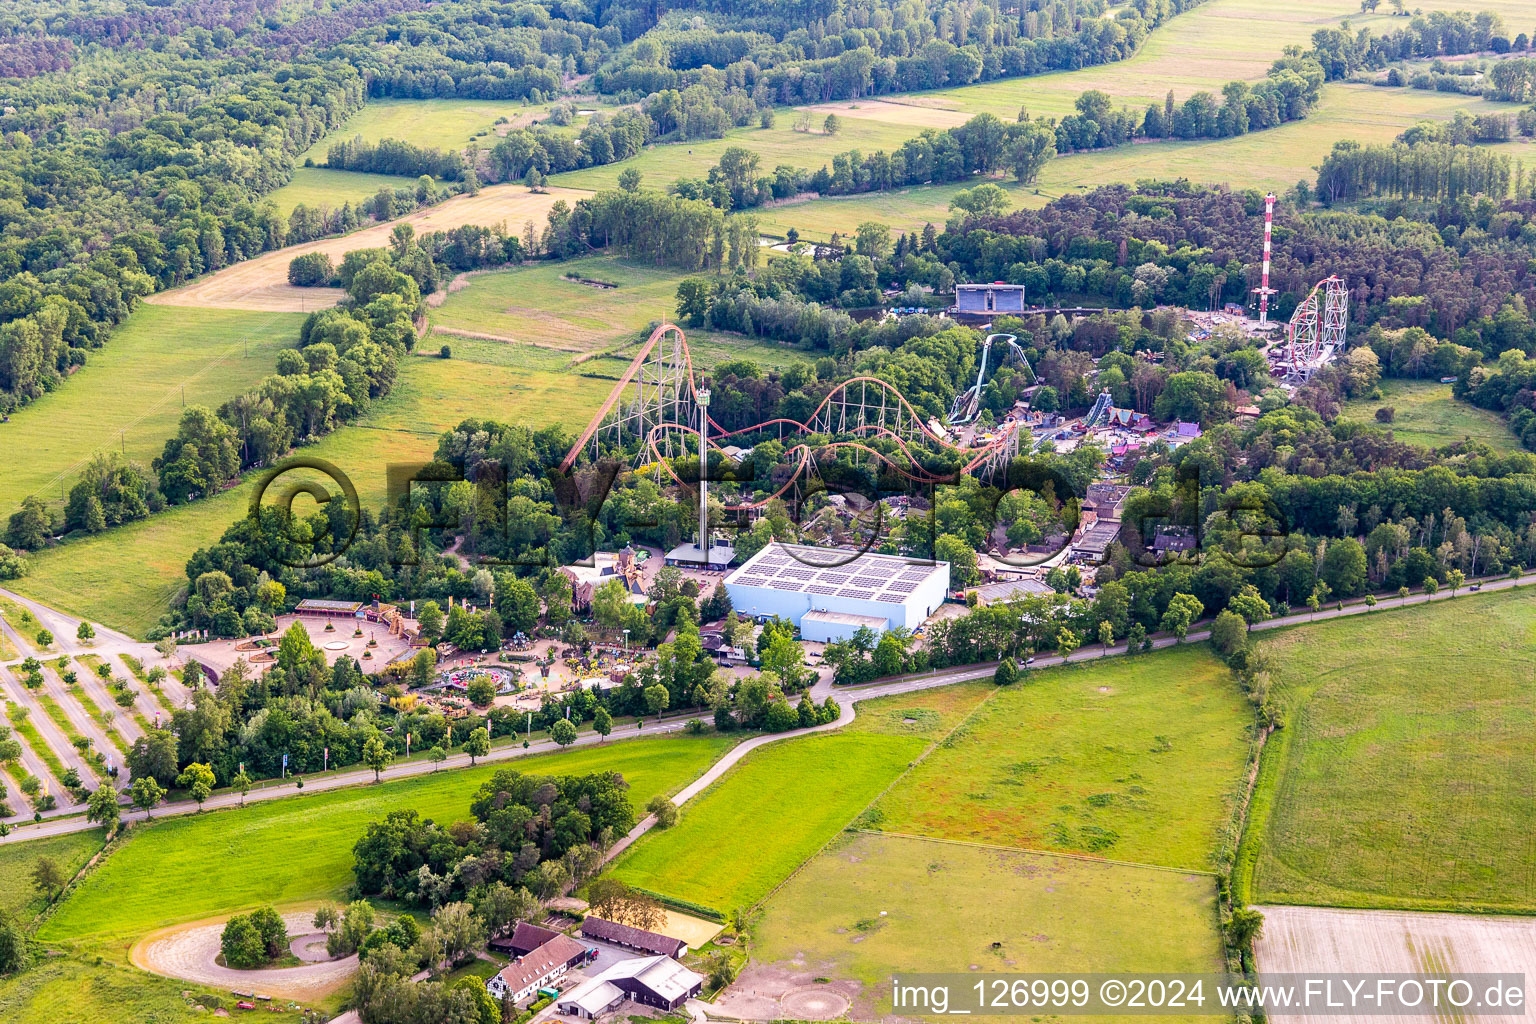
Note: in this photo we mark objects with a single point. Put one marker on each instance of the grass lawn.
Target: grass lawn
(128, 396)
(300, 848)
(52, 709)
(27, 733)
(1404, 778)
(767, 815)
(70, 852)
(874, 906)
(108, 718)
(24, 623)
(1132, 759)
(1426, 414)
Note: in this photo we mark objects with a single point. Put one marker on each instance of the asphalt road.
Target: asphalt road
(846, 698)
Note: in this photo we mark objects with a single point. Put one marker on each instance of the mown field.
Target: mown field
(560, 306)
(1427, 414)
(549, 315)
(871, 907)
(1404, 778)
(298, 849)
(317, 187)
(128, 396)
(261, 283)
(767, 815)
(444, 124)
(1132, 759)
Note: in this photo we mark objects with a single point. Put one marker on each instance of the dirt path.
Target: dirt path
(190, 951)
(262, 283)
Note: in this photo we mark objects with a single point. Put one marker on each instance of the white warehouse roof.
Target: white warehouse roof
(832, 573)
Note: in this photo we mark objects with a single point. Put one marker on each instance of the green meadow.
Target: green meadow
(300, 849)
(771, 812)
(1404, 776)
(1425, 413)
(1132, 759)
(875, 906)
(129, 395)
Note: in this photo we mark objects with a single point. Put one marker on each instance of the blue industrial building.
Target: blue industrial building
(989, 299)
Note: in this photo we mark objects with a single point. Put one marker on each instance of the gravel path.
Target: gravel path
(189, 952)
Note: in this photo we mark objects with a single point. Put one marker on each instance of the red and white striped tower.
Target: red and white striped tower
(1264, 291)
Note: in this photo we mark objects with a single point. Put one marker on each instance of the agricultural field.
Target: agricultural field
(1427, 414)
(749, 831)
(262, 283)
(1404, 777)
(300, 849)
(1274, 159)
(871, 906)
(1297, 940)
(445, 124)
(128, 397)
(1134, 759)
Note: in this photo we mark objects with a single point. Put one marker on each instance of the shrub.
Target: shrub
(446, 352)
(1386, 414)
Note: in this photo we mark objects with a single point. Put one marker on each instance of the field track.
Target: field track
(189, 952)
(1324, 939)
(262, 283)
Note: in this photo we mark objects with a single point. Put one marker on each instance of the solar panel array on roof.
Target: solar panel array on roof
(863, 577)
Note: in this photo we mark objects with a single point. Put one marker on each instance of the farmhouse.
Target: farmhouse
(545, 964)
(987, 299)
(658, 981)
(831, 594)
(525, 938)
(630, 937)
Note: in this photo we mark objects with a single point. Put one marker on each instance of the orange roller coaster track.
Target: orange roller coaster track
(661, 412)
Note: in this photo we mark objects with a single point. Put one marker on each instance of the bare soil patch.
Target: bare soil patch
(787, 991)
(262, 283)
(1325, 939)
(693, 930)
(190, 952)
